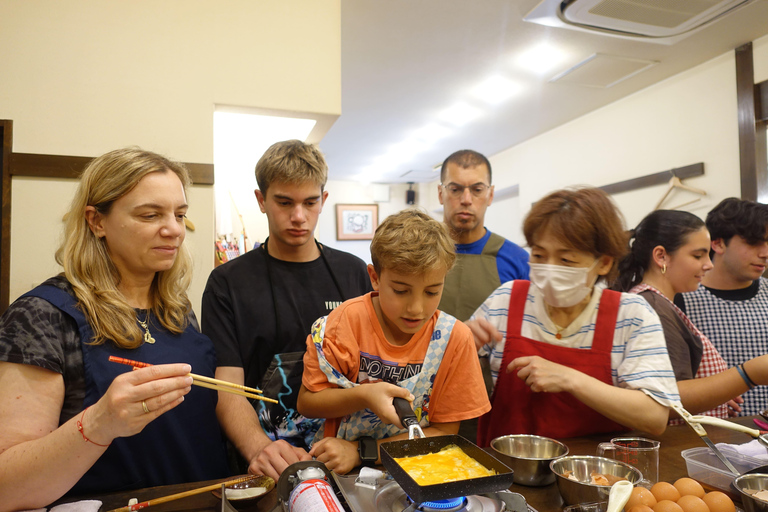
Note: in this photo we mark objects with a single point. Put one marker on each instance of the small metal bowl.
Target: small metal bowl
(529, 457)
(752, 482)
(581, 467)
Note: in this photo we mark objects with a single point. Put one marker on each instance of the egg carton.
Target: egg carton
(704, 466)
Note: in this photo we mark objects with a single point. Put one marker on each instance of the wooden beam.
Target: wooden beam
(762, 97)
(658, 178)
(753, 158)
(6, 135)
(60, 166)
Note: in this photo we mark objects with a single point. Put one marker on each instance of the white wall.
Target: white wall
(686, 119)
(83, 77)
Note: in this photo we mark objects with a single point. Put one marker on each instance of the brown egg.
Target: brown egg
(640, 508)
(665, 491)
(719, 502)
(689, 487)
(667, 506)
(691, 503)
(640, 496)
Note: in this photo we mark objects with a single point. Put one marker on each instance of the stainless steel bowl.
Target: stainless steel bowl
(529, 457)
(582, 467)
(752, 482)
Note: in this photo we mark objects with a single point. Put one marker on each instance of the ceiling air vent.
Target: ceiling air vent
(662, 21)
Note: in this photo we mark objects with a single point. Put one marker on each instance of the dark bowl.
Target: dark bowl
(238, 494)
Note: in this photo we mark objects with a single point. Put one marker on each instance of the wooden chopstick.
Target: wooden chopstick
(234, 391)
(177, 496)
(206, 382)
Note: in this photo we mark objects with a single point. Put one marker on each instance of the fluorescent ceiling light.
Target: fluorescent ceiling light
(541, 59)
(431, 133)
(496, 89)
(460, 113)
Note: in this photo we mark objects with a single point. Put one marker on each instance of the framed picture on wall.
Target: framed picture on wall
(356, 221)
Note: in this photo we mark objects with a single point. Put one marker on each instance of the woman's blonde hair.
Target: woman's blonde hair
(89, 268)
(411, 242)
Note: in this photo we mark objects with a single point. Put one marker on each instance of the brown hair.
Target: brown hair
(585, 219)
(466, 158)
(411, 242)
(291, 162)
(89, 267)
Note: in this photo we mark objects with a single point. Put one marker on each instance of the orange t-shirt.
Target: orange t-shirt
(354, 343)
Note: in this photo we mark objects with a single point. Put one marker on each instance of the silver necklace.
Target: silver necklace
(147, 337)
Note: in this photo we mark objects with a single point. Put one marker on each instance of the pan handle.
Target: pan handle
(405, 412)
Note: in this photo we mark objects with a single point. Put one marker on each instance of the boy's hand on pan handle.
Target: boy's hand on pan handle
(378, 398)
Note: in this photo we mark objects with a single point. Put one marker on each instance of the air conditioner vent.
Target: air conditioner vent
(665, 21)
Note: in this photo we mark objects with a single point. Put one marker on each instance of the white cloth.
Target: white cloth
(639, 359)
(751, 449)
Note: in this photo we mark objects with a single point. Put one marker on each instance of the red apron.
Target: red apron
(518, 410)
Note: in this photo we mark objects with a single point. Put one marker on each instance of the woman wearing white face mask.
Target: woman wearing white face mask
(567, 356)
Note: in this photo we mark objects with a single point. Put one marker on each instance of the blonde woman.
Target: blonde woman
(71, 420)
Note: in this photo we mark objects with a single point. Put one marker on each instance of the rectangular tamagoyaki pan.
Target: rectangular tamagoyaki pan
(411, 447)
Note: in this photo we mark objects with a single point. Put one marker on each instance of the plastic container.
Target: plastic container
(704, 466)
(595, 506)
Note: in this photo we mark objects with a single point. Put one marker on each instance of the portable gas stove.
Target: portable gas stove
(387, 496)
(375, 491)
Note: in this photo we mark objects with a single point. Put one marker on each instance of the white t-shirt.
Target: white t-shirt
(639, 358)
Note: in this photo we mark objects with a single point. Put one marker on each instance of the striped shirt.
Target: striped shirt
(639, 358)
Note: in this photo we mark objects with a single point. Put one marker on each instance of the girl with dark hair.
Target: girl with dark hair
(569, 357)
(669, 254)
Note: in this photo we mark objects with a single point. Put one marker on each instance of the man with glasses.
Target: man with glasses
(485, 259)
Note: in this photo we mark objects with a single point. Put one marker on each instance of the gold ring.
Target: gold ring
(144, 405)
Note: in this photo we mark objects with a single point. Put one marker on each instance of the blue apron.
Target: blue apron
(183, 445)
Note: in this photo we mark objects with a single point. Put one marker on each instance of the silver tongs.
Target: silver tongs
(695, 423)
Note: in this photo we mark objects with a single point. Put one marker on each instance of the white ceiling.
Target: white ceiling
(405, 61)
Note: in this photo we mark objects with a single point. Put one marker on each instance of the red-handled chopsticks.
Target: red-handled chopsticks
(206, 382)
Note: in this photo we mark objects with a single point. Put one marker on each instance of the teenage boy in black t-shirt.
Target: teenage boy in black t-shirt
(731, 308)
(258, 308)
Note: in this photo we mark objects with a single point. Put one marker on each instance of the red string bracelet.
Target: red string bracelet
(82, 432)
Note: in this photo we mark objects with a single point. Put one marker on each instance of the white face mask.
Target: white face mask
(561, 286)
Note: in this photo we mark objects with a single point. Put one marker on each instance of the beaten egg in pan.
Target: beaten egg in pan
(448, 465)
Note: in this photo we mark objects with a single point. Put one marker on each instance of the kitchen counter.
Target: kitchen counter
(544, 499)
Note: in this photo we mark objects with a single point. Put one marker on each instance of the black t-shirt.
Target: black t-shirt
(241, 311)
(741, 294)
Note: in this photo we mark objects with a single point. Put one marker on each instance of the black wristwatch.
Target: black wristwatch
(368, 449)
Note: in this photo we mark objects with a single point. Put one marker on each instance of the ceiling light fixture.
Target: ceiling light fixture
(541, 59)
(460, 113)
(496, 89)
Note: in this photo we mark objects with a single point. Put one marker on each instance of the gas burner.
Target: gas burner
(391, 498)
(451, 505)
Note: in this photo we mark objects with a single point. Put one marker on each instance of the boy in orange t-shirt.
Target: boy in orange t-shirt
(390, 343)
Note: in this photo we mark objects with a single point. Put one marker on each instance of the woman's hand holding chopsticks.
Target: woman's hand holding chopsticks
(205, 382)
(134, 399)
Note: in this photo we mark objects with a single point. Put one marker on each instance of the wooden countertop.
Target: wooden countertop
(544, 499)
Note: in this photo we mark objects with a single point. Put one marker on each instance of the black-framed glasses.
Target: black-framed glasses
(456, 191)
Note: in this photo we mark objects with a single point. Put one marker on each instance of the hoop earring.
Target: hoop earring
(664, 269)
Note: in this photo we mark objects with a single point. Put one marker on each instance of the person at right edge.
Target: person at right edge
(570, 357)
(731, 308)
